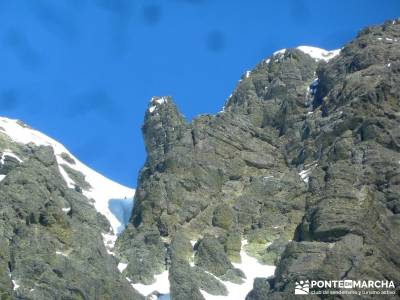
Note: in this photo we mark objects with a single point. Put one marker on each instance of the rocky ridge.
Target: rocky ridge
(56, 228)
(297, 178)
(302, 163)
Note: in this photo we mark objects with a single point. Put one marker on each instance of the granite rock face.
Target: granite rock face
(51, 245)
(351, 226)
(301, 169)
(303, 163)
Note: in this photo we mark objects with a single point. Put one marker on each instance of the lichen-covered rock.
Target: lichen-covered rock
(350, 229)
(187, 280)
(209, 283)
(181, 248)
(211, 256)
(182, 284)
(223, 217)
(232, 242)
(305, 151)
(77, 177)
(260, 290)
(145, 254)
(302, 163)
(272, 253)
(47, 252)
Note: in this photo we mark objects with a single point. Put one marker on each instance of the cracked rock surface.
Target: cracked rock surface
(303, 163)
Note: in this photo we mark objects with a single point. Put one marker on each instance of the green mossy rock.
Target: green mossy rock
(211, 256)
(50, 253)
(223, 217)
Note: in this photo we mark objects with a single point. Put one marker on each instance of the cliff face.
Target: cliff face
(352, 213)
(303, 163)
(51, 244)
(298, 178)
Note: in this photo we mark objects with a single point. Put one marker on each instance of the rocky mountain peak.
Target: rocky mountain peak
(288, 169)
(298, 178)
(163, 125)
(275, 89)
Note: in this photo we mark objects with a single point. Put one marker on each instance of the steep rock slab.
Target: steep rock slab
(52, 235)
(351, 226)
(228, 176)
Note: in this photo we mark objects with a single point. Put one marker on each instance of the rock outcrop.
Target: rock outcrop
(303, 163)
(51, 244)
(351, 226)
(301, 170)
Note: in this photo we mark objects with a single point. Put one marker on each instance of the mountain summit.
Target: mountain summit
(299, 171)
(296, 179)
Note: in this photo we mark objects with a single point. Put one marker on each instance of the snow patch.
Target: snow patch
(156, 101)
(318, 53)
(15, 284)
(314, 83)
(248, 74)
(191, 262)
(62, 253)
(67, 179)
(282, 51)
(122, 267)
(387, 39)
(103, 189)
(109, 242)
(305, 174)
(10, 154)
(161, 285)
(161, 100)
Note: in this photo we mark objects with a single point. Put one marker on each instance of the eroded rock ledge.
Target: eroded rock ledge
(303, 163)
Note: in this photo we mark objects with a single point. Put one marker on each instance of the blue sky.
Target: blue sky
(83, 71)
